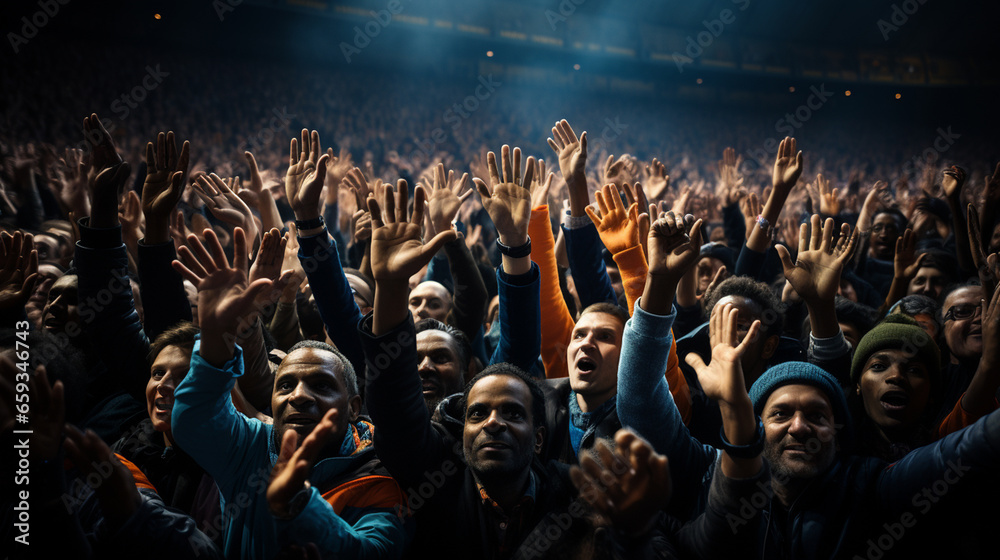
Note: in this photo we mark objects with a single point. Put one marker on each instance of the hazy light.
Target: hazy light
(847, 93)
(898, 95)
(156, 16)
(791, 89)
(576, 67)
(489, 54)
(698, 80)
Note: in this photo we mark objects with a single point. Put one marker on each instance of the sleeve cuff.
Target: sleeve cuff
(829, 348)
(577, 222)
(99, 238)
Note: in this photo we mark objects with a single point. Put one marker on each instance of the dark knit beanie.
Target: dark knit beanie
(898, 332)
(719, 251)
(804, 373)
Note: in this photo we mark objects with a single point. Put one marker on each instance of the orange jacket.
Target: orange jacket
(557, 323)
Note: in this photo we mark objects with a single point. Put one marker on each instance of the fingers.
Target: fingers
(508, 172)
(482, 188)
(376, 213)
(419, 198)
(695, 361)
(491, 164)
(529, 171)
(815, 242)
(402, 205)
(827, 236)
(786, 258)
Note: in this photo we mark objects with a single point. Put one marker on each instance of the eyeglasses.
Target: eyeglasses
(962, 312)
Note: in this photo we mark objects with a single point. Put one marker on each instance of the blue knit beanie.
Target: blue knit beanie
(804, 373)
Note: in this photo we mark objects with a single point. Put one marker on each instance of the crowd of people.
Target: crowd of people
(386, 345)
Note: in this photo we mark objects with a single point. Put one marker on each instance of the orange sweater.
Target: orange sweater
(957, 419)
(557, 323)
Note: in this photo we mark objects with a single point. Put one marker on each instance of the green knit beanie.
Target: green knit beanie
(898, 332)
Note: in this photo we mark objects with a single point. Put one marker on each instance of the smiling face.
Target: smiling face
(439, 365)
(308, 383)
(799, 432)
(499, 437)
(167, 371)
(963, 323)
(895, 389)
(592, 356)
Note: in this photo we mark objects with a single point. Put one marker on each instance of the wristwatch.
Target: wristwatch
(748, 451)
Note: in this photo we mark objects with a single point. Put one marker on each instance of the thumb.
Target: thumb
(593, 215)
(695, 361)
(786, 257)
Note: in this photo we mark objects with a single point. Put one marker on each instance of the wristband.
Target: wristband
(748, 451)
(310, 224)
(762, 222)
(515, 252)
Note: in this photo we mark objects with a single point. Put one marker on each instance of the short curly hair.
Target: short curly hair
(772, 311)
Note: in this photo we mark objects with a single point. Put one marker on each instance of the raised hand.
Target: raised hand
(295, 462)
(681, 203)
(657, 181)
(111, 173)
(226, 298)
(730, 189)
(508, 202)
(829, 199)
(674, 245)
(130, 216)
(951, 183)
(616, 172)
(397, 250)
(222, 201)
(572, 153)
(166, 170)
(617, 231)
(627, 485)
(815, 275)
(291, 262)
(18, 271)
(751, 207)
(446, 196)
(267, 265)
(71, 184)
(906, 263)
(787, 166)
(305, 176)
(541, 185)
(722, 379)
(337, 168)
